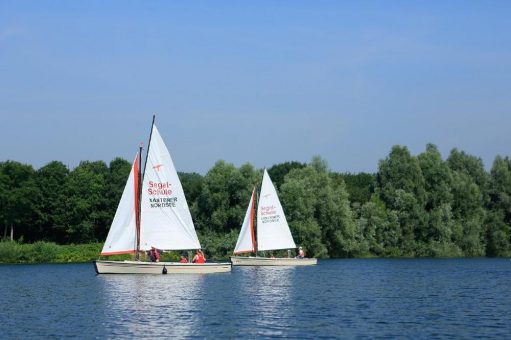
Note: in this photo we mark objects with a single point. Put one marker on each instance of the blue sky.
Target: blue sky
(254, 81)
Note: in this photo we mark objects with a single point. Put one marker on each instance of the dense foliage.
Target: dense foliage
(414, 206)
(47, 252)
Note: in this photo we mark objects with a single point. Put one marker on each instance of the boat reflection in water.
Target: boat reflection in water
(151, 305)
(270, 292)
(260, 300)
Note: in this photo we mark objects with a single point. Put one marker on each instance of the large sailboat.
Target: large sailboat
(272, 231)
(153, 214)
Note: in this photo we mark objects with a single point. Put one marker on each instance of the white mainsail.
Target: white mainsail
(166, 222)
(246, 241)
(272, 228)
(121, 236)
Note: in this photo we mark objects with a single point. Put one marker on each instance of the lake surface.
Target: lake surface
(420, 298)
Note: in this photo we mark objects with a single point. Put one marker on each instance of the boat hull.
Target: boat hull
(137, 267)
(266, 261)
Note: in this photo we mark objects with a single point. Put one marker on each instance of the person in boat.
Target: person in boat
(301, 253)
(154, 255)
(183, 259)
(199, 257)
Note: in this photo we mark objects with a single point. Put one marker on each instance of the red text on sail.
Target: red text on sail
(159, 189)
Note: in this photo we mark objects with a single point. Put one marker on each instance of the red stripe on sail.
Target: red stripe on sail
(118, 252)
(136, 207)
(252, 222)
(252, 250)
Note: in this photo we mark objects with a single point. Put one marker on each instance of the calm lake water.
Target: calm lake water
(377, 298)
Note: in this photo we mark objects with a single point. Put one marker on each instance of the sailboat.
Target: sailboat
(153, 214)
(272, 231)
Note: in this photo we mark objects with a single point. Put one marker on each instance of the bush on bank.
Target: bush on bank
(47, 252)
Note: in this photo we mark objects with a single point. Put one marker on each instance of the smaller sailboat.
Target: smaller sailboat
(272, 231)
(153, 213)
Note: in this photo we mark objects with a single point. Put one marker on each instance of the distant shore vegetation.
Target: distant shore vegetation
(413, 206)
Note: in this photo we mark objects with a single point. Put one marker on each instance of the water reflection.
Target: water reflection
(151, 305)
(268, 290)
(336, 299)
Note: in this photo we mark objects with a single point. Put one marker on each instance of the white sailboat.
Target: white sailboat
(272, 231)
(156, 215)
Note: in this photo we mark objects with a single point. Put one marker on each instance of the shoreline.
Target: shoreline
(13, 252)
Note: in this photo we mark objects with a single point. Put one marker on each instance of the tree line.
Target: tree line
(414, 206)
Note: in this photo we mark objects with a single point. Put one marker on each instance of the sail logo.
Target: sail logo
(267, 195)
(159, 189)
(269, 214)
(157, 167)
(164, 202)
(268, 210)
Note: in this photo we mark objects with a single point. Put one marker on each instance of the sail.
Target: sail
(272, 228)
(121, 237)
(165, 221)
(246, 239)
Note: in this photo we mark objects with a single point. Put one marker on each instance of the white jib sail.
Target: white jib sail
(246, 239)
(272, 228)
(166, 222)
(121, 237)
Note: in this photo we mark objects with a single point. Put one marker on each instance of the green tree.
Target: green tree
(224, 197)
(51, 180)
(411, 218)
(400, 185)
(278, 171)
(400, 171)
(497, 235)
(378, 228)
(468, 188)
(86, 204)
(299, 202)
(472, 166)
(359, 186)
(500, 187)
(437, 237)
(192, 186)
(437, 178)
(318, 211)
(20, 201)
(4, 199)
(499, 220)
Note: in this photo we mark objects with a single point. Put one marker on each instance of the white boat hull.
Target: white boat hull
(266, 261)
(137, 267)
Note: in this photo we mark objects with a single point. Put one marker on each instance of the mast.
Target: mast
(256, 203)
(148, 145)
(139, 193)
(252, 213)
